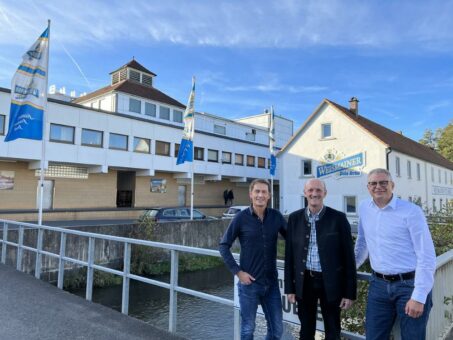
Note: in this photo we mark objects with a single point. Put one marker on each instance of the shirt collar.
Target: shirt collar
(391, 204)
(319, 213)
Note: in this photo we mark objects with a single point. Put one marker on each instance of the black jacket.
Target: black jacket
(333, 234)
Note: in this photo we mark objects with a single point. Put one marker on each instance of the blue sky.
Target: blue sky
(395, 56)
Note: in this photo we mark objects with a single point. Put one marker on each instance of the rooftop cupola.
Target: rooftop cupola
(133, 71)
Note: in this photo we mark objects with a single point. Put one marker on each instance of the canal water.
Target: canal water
(196, 318)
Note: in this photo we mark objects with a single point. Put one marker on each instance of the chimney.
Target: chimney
(354, 106)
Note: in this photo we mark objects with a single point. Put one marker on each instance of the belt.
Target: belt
(396, 277)
(313, 273)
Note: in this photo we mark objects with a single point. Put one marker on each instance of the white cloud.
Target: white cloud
(269, 23)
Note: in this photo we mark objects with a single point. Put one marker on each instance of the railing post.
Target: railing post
(173, 308)
(89, 290)
(5, 239)
(20, 250)
(61, 262)
(237, 324)
(38, 254)
(126, 272)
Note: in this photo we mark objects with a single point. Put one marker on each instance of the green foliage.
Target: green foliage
(445, 142)
(77, 279)
(441, 227)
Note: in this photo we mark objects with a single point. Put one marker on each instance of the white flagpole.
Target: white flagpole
(193, 160)
(43, 145)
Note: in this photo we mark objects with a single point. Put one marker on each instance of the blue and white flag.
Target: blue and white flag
(29, 92)
(273, 159)
(185, 153)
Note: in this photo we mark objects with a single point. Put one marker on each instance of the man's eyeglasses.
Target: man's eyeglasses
(383, 184)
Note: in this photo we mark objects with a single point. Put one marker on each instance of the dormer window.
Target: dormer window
(147, 80)
(135, 72)
(115, 78)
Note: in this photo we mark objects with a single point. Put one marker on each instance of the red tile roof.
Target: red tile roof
(392, 139)
(135, 65)
(136, 89)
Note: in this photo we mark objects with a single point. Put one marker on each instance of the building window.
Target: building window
(226, 157)
(238, 159)
(440, 204)
(213, 155)
(409, 170)
(250, 160)
(142, 145)
(199, 154)
(434, 205)
(409, 198)
(440, 175)
(432, 174)
(221, 130)
(64, 171)
(446, 177)
(177, 146)
(92, 137)
(250, 136)
(326, 130)
(162, 148)
(2, 124)
(150, 109)
(303, 201)
(118, 142)
(177, 116)
(261, 162)
(350, 204)
(306, 167)
(61, 133)
(397, 167)
(418, 172)
(164, 113)
(135, 105)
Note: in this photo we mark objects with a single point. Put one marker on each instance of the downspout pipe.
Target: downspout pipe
(387, 153)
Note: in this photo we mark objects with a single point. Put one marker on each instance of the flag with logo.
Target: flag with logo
(185, 153)
(29, 92)
(273, 159)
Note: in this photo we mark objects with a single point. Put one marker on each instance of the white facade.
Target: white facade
(347, 139)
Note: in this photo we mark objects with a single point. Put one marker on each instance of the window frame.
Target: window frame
(226, 161)
(59, 140)
(323, 125)
(418, 170)
(141, 138)
(161, 108)
(196, 150)
(161, 142)
(263, 159)
(131, 100)
(121, 135)
(147, 105)
(247, 161)
(2, 130)
(176, 150)
(179, 113)
(220, 129)
(236, 160)
(216, 158)
(303, 162)
(397, 166)
(345, 204)
(92, 145)
(409, 169)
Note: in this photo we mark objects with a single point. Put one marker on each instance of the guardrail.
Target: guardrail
(443, 275)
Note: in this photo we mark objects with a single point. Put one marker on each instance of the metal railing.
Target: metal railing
(62, 258)
(437, 322)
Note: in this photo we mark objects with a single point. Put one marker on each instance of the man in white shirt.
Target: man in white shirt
(395, 235)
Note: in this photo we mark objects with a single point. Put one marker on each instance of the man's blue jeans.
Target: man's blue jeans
(386, 302)
(250, 296)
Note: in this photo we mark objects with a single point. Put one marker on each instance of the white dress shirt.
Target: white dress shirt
(398, 240)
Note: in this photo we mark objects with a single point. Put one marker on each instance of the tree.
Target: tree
(431, 138)
(445, 142)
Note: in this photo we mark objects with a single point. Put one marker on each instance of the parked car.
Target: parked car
(233, 210)
(174, 214)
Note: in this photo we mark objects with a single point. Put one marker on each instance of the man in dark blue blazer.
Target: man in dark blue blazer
(319, 263)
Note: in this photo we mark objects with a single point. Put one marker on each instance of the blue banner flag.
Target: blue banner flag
(29, 92)
(185, 153)
(273, 159)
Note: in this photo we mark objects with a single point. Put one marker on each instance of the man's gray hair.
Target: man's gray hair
(381, 171)
(260, 181)
(317, 180)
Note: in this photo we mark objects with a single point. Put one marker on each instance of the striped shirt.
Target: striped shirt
(313, 262)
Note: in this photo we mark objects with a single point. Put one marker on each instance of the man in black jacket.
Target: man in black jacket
(319, 263)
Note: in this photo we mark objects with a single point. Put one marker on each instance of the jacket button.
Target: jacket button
(308, 236)
(305, 248)
(304, 261)
(302, 273)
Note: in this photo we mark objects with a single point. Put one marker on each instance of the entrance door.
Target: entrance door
(125, 185)
(181, 195)
(47, 198)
